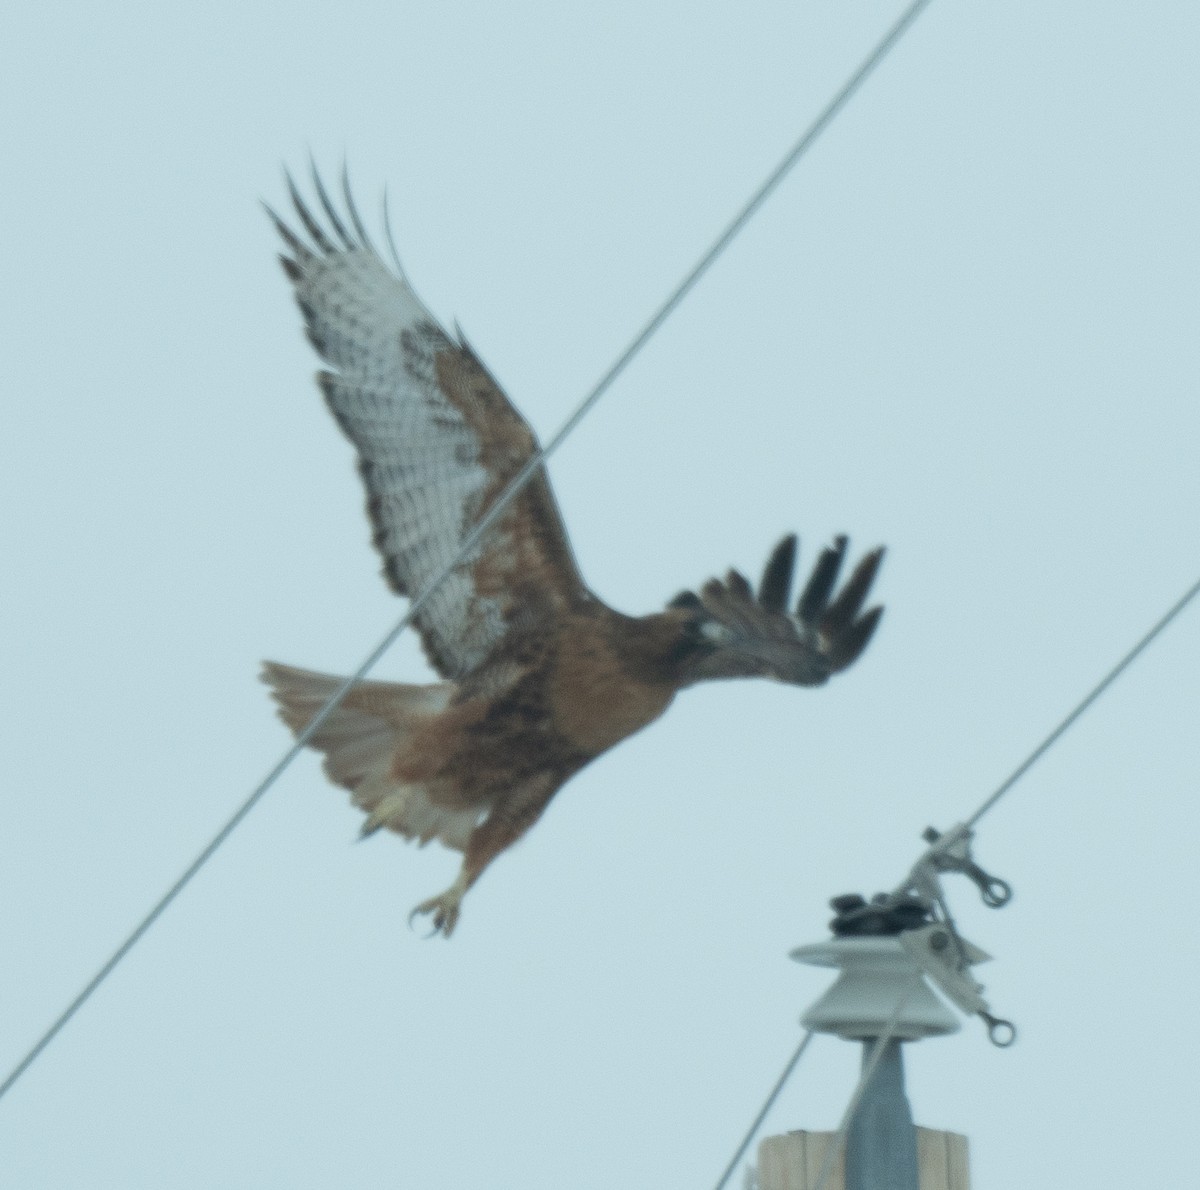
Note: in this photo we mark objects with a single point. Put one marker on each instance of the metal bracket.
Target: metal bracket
(934, 949)
(951, 852)
(944, 955)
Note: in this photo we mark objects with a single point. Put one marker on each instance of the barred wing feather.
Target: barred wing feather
(437, 442)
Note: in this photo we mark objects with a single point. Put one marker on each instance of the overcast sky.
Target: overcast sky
(966, 326)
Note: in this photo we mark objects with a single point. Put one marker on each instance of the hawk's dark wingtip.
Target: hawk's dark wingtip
(843, 611)
(686, 599)
(851, 643)
(353, 209)
(335, 221)
(816, 593)
(314, 229)
(288, 236)
(775, 589)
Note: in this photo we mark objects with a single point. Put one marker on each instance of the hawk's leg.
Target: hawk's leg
(499, 831)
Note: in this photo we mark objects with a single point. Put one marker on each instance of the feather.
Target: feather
(822, 581)
(848, 647)
(774, 591)
(842, 612)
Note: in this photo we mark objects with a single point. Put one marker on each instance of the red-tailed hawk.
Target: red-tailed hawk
(539, 676)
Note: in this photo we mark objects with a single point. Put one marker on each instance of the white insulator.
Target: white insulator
(880, 989)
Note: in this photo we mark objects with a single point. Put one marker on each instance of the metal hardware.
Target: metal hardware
(1001, 1033)
(942, 952)
(955, 856)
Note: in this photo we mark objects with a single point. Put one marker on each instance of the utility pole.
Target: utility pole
(879, 992)
(883, 950)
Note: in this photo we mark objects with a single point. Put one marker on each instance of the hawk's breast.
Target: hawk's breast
(601, 690)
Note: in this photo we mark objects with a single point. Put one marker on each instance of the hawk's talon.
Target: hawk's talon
(412, 917)
(444, 908)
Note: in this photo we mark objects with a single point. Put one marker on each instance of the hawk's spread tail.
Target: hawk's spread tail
(361, 740)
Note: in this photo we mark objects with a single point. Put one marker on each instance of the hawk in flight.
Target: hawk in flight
(538, 675)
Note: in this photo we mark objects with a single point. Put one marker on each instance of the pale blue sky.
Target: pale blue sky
(966, 327)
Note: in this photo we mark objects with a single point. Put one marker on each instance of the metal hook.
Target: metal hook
(1001, 1033)
(955, 856)
(994, 891)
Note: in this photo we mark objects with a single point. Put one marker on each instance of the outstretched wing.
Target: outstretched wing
(437, 442)
(750, 634)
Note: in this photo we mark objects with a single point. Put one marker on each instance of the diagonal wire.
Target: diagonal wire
(1097, 690)
(752, 1131)
(766, 188)
(835, 1146)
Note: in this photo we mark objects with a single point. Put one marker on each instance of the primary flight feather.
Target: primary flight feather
(539, 676)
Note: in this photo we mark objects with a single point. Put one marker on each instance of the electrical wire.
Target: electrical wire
(765, 189)
(1097, 690)
(752, 1131)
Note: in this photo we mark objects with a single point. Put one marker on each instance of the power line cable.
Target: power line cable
(1097, 690)
(752, 1131)
(835, 1146)
(767, 187)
